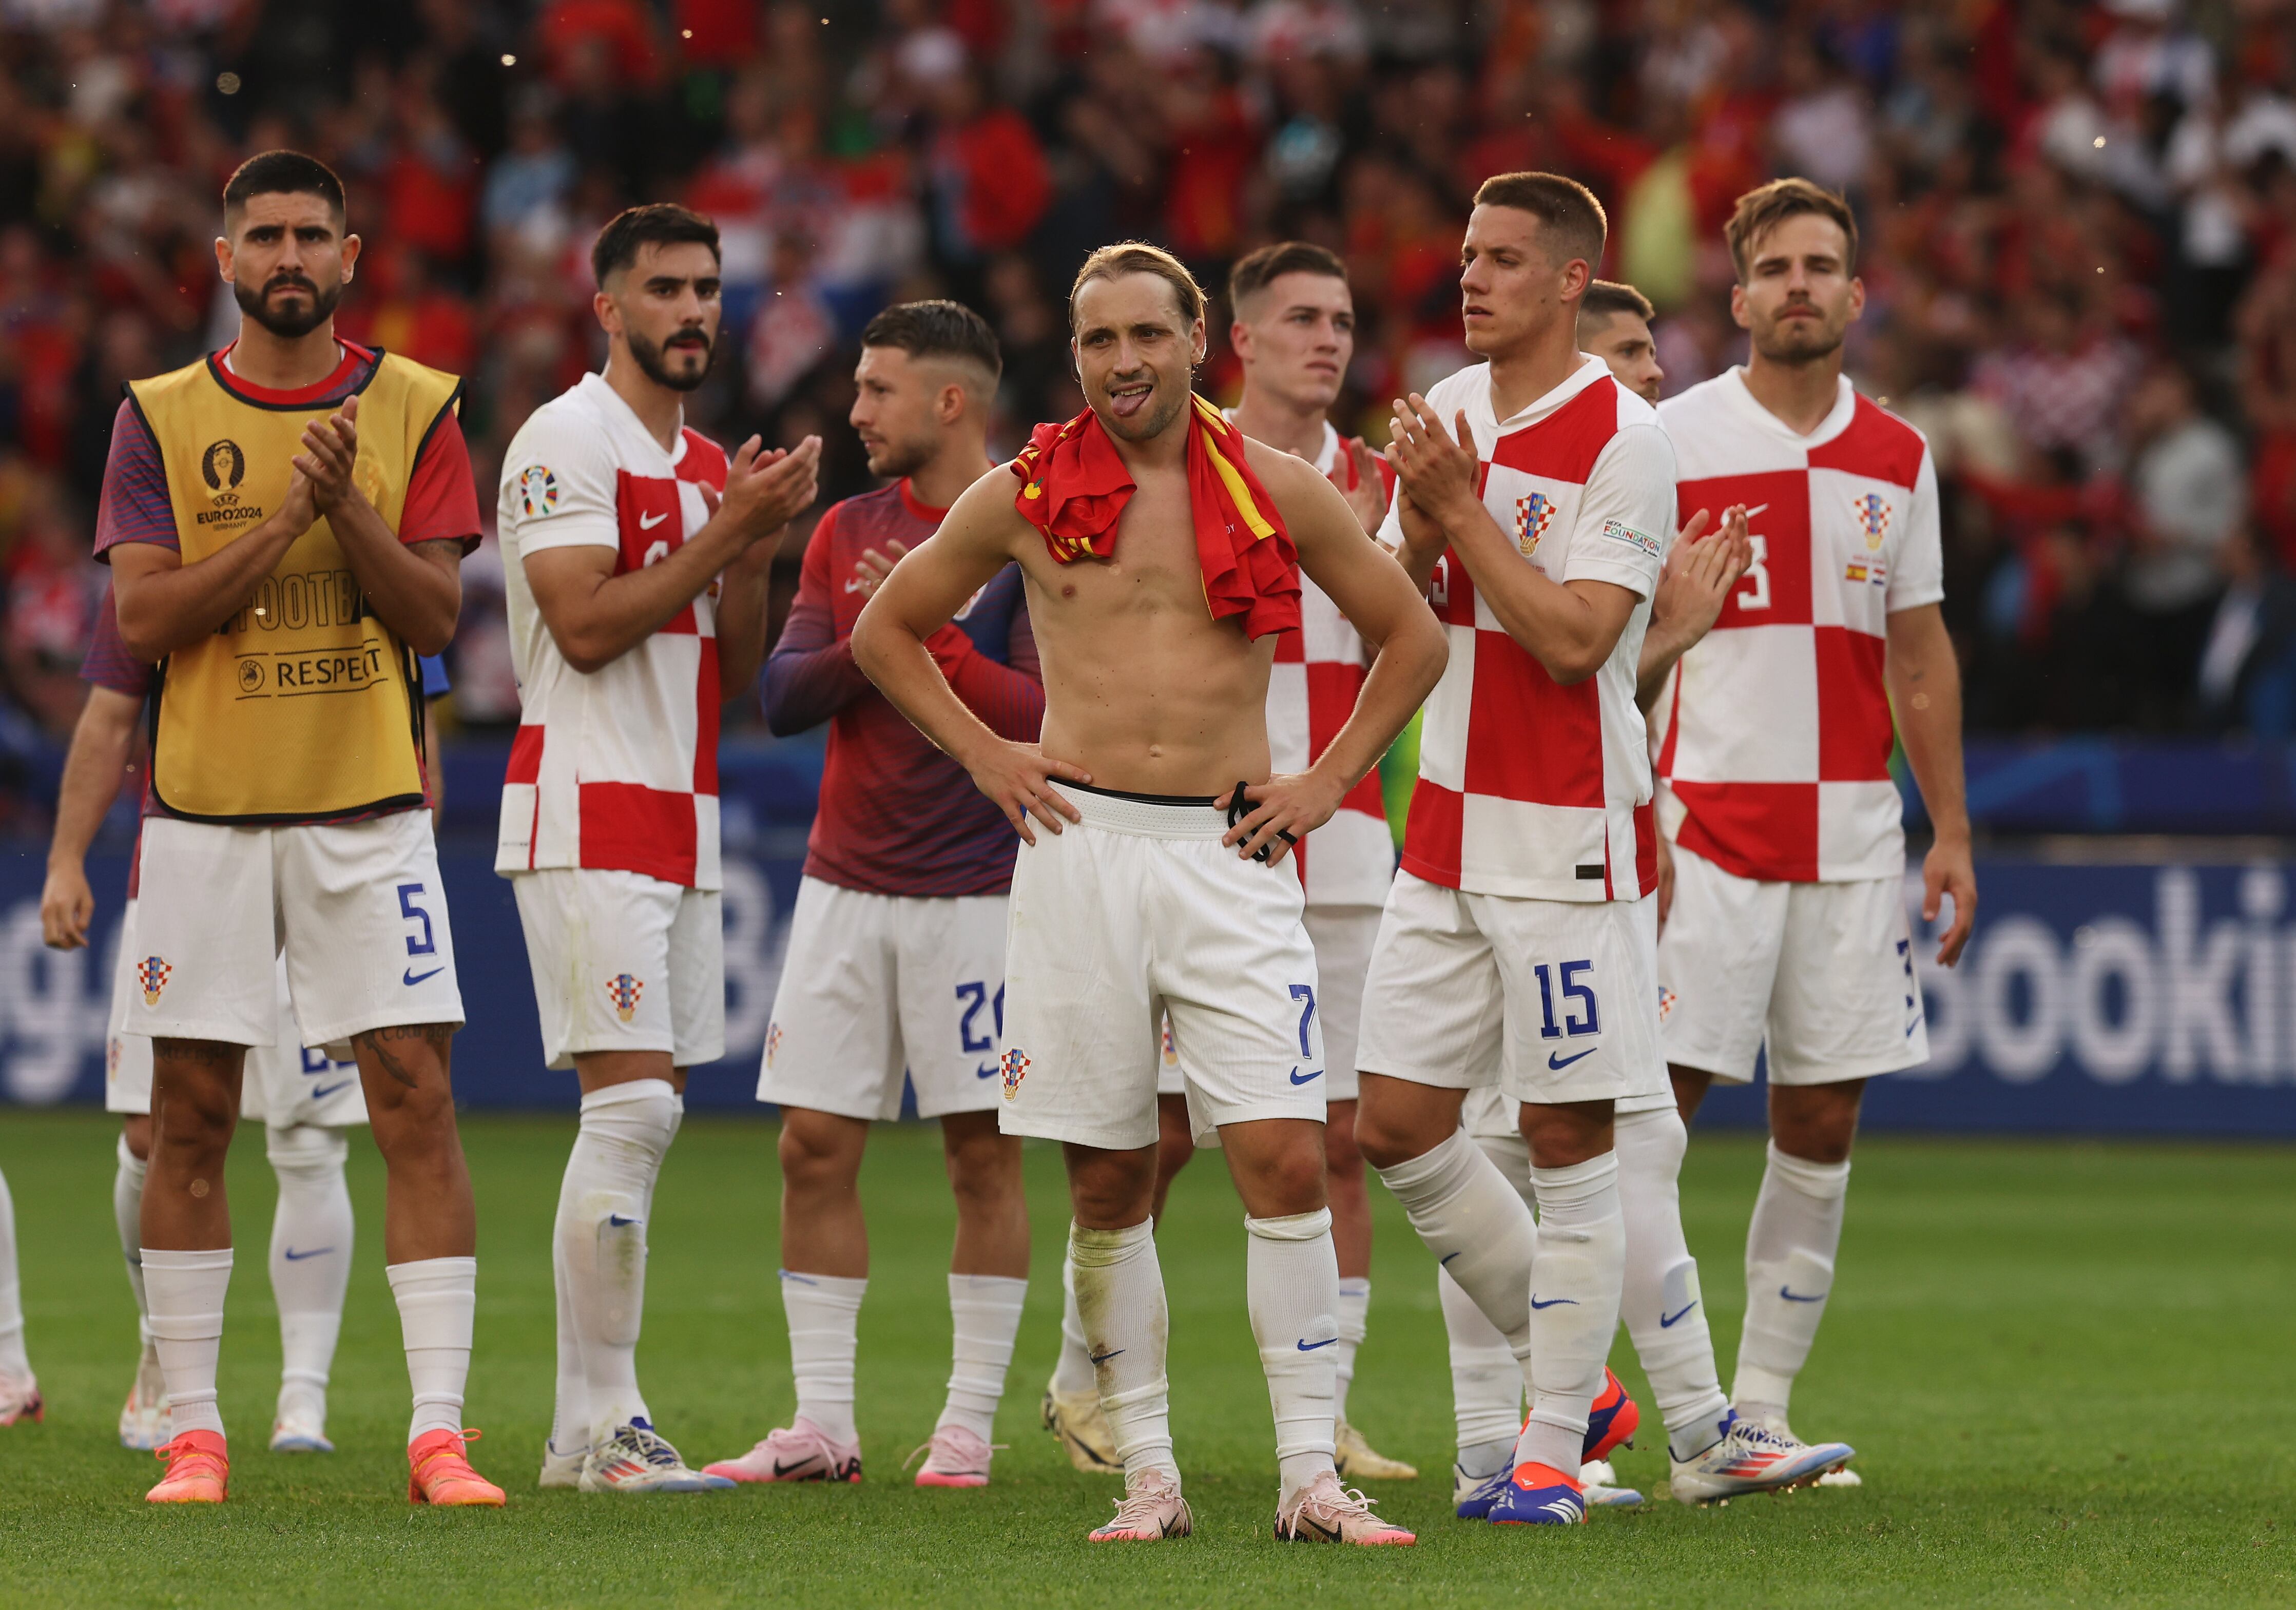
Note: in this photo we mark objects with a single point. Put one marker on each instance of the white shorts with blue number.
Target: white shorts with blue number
(1549, 1001)
(285, 1082)
(356, 909)
(876, 985)
(1137, 915)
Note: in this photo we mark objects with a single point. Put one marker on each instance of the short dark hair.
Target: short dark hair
(938, 328)
(1258, 269)
(1607, 298)
(657, 224)
(1137, 256)
(1765, 207)
(273, 173)
(1570, 218)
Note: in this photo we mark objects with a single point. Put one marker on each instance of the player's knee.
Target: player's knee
(816, 1151)
(1343, 1159)
(985, 1170)
(1817, 1123)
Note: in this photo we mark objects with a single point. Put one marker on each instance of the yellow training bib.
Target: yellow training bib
(303, 707)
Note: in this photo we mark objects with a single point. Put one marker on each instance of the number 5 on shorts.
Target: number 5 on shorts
(427, 946)
(1307, 993)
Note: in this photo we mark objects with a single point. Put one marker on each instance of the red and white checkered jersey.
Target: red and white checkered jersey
(1776, 753)
(615, 768)
(1311, 692)
(1528, 787)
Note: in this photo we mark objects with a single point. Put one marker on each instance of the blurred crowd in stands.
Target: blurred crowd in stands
(2080, 243)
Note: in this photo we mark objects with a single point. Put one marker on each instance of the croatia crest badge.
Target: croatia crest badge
(1014, 1066)
(623, 991)
(151, 978)
(1873, 512)
(1532, 510)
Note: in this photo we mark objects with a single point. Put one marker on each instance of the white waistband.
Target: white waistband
(1144, 815)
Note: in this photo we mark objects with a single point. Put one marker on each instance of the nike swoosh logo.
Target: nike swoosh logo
(1557, 1061)
(1311, 1346)
(853, 585)
(1296, 1078)
(1102, 1358)
(1756, 509)
(1794, 1296)
(317, 1252)
(647, 524)
(782, 1470)
(1454, 1254)
(617, 1220)
(320, 1092)
(984, 1072)
(1666, 1320)
(410, 977)
(1551, 1301)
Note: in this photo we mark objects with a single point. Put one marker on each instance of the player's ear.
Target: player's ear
(1738, 305)
(609, 314)
(223, 255)
(352, 247)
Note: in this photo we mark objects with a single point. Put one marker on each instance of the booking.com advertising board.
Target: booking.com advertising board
(2094, 998)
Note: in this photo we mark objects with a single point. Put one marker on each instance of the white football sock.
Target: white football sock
(1291, 1286)
(1574, 1306)
(1790, 1251)
(1664, 1310)
(985, 1316)
(1485, 1382)
(824, 1316)
(437, 1304)
(310, 1259)
(1354, 1316)
(127, 1213)
(570, 1410)
(599, 1242)
(1120, 1288)
(1479, 1228)
(1073, 1371)
(13, 1361)
(186, 1291)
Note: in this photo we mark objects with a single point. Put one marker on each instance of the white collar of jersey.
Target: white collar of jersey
(604, 397)
(1590, 372)
(1845, 408)
(1326, 460)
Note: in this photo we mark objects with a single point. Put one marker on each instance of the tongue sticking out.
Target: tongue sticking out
(1127, 403)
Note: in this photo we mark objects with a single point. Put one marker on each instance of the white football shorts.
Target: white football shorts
(1137, 913)
(1824, 972)
(1551, 1000)
(623, 962)
(357, 907)
(283, 1083)
(1342, 935)
(874, 985)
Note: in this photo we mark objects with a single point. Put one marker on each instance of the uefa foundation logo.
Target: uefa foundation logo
(1014, 1066)
(624, 990)
(151, 978)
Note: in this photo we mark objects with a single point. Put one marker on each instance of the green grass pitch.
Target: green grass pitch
(2065, 1367)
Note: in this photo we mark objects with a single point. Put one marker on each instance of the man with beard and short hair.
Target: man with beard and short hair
(635, 559)
(1158, 547)
(896, 955)
(1788, 927)
(285, 522)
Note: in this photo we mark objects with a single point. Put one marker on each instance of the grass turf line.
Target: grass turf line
(2061, 1364)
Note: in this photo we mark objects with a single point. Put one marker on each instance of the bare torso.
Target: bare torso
(1143, 688)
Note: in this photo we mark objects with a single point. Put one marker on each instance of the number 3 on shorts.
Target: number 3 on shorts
(427, 946)
(1307, 993)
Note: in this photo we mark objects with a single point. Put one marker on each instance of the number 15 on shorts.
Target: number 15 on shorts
(1581, 1013)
